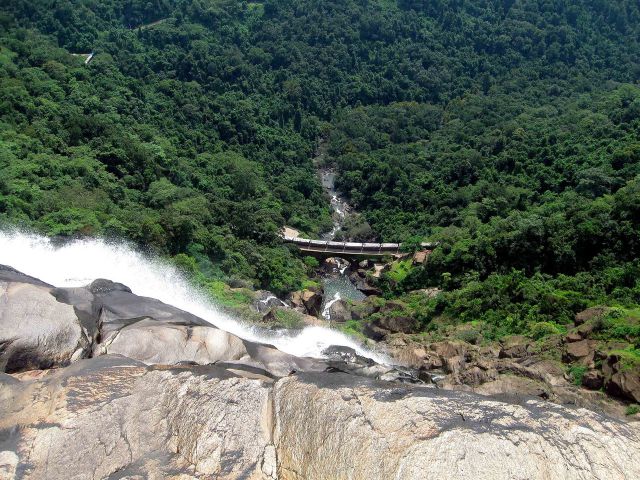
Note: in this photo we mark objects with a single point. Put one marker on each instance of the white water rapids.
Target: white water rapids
(81, 261)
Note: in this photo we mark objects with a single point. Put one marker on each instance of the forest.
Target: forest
(508, 131)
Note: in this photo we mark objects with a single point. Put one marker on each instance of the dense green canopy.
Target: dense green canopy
(508, 130)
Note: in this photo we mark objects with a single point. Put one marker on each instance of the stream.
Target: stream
(337, 285)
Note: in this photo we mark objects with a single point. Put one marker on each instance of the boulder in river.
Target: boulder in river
(338, 311)
(307, 301)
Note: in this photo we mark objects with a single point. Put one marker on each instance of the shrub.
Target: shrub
(633, 409)
(576, 372)
(311, 262)
(289, 319)
(542, 329)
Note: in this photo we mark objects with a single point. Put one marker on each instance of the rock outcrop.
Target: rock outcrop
(392, 431)
(511, 369)
(44, 327)
(36, 331)
(112, 417)
(164, 394)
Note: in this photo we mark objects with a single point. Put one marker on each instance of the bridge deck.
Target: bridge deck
(350, 248)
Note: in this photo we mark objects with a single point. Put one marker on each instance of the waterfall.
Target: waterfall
(79, 262)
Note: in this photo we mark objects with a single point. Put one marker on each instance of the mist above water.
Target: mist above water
(79, 262)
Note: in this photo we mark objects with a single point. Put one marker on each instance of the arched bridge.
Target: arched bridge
(347, 249)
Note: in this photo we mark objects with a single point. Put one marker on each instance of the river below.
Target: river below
(337, 285)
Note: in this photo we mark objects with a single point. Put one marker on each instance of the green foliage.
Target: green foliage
(540, 330)
(506, 131)
(399, 270)
(576, 372)
(311, 262)
(226, 297)
(289, 319)
(621, 325)
(632, 409)
(629, 358)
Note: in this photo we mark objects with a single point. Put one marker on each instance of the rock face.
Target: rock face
(111, 417)
(28, 342)
(166, 395)
(386, 431)
(43, 327)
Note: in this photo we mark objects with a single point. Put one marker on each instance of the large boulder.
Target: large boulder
(149, 330)
(591, 314)
(151, 342)
(308, 301)
(36, 331)
(312, 300)
(582, 351)
(396, 323)
(514, 346)
(338, 311)
(382, 430)
(622, 377)
(111, 417)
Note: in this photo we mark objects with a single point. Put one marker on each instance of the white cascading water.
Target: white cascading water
(326, 311)
(81, 261)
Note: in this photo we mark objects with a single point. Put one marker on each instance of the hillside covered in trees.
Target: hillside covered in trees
(506, 130)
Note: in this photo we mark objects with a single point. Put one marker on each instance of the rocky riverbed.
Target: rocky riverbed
(101, 383)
